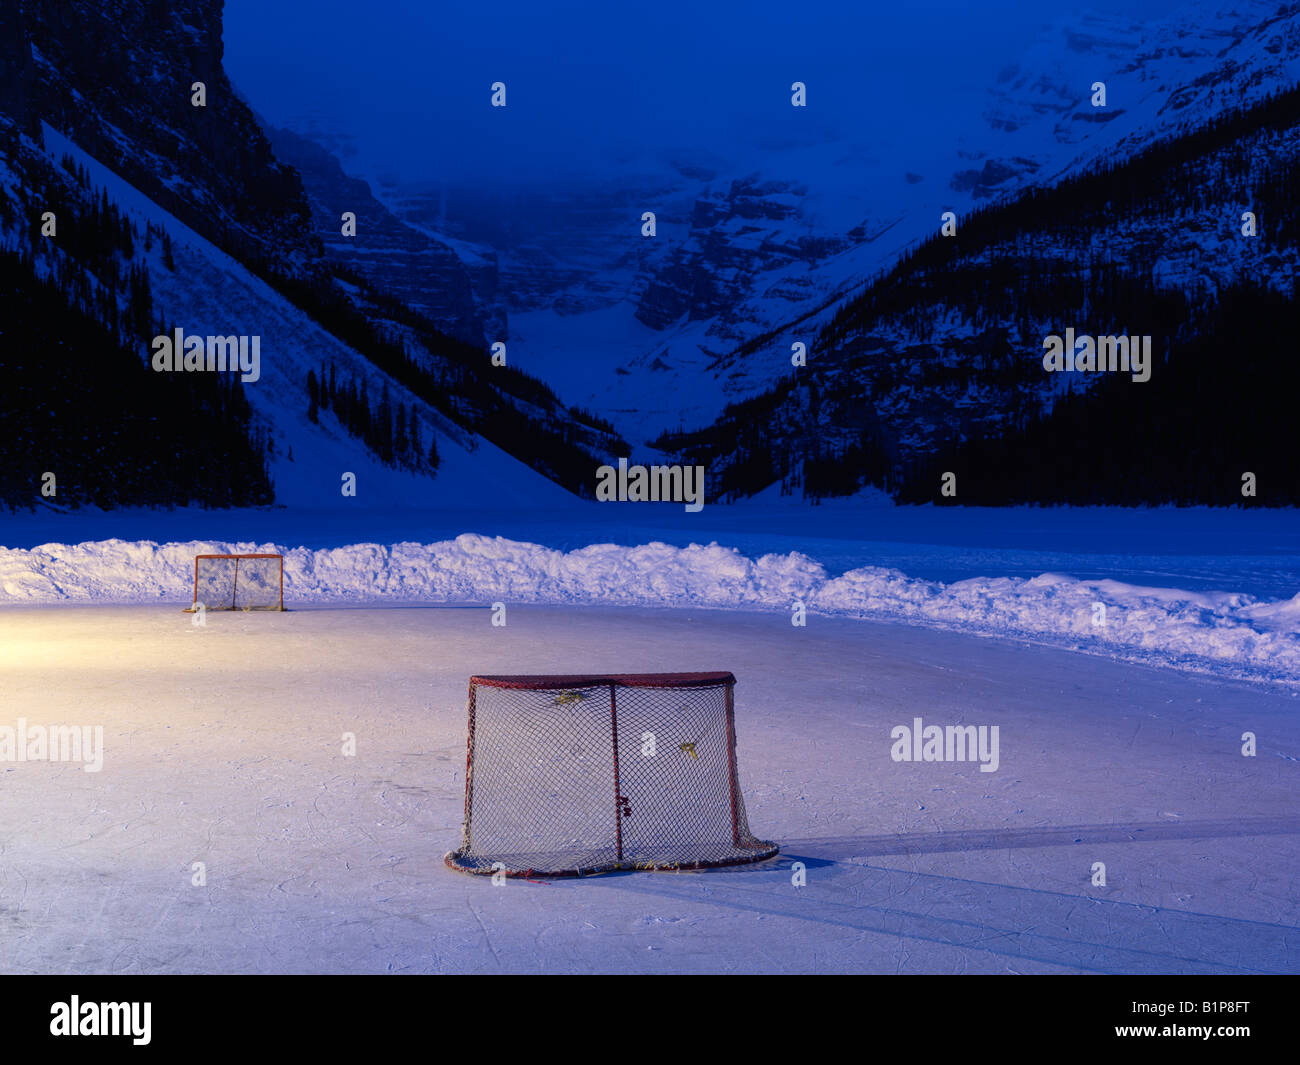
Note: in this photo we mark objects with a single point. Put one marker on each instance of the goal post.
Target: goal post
(581, 774)
(238, 582)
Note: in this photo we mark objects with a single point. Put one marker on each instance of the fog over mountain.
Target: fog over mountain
(593, 86)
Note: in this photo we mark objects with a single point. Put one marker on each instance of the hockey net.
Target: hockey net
(573, 775)
(238, 582)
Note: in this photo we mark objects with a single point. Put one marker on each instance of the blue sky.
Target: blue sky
(591, 82)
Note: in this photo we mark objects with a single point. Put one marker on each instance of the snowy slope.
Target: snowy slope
(211, 293)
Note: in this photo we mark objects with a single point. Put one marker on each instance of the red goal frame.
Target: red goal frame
(613, 682)
(197, 558)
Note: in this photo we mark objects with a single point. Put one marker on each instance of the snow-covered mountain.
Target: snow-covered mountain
(937, 367)
(655, 333)
(1160, 77)
(1040, 127)
(175, 211)
(212, 293)
(747, 262)
(641, 328)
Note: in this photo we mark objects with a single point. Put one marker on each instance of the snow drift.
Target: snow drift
(1218, 631)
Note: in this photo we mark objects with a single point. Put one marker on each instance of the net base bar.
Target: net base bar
(463, 863)
(281, 608)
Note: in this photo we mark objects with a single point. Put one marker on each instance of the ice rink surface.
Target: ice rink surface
(223, 744)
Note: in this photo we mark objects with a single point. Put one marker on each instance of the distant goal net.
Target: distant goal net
(238, 582)
(574, 775)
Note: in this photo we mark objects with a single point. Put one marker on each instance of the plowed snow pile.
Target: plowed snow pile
(1224, 632)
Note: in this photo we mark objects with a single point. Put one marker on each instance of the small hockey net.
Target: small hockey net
(238, 582)
(573, 775)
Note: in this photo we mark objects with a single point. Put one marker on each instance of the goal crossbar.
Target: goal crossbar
(525, 681)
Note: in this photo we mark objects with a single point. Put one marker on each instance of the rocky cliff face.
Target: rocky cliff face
(735, 235)
(571, 249)
(1159, 78)
(116, 76)
(416, 268)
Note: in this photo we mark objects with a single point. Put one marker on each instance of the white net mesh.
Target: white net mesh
(572, 775)
(238, 582)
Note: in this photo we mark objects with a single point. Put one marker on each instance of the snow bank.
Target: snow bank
(1168, 626)
(1165, 625)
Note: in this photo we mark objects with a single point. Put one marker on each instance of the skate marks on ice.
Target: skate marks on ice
(843, 848)
(1075, 931)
